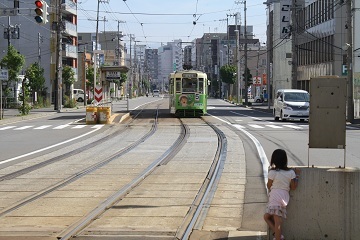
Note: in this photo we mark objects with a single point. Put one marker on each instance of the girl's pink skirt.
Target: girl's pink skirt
(278, 200)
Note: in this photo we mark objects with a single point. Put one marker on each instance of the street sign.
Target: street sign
(98, 94)
(4, 74)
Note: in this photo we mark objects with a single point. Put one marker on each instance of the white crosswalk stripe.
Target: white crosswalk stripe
(43, 127)
(62, 126)
(273, 126)
(8, 127)
(79, 126)
(24, 127)
(292, 126)
(255, 126)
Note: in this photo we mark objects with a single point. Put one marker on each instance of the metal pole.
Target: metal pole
(293, 47)
(237, 55)
(85, 75)
(350, 100)
(96, 46)
(58, 87)
(245, 56)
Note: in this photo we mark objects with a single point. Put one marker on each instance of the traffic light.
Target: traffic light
(41, 11)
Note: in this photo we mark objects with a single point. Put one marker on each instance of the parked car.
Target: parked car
(291, 104)
(156, 93)
(258, 99)
(79, 95)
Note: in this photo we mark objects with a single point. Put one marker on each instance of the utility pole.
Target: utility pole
(58, 81)
(294, 46)
(245, 56)
(237, 57)
(350, 100)
(39, 48)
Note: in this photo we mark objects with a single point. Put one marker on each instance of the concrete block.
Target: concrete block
(326, 205)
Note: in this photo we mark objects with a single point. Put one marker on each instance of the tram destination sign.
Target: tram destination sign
(112, 75)
(189, 75)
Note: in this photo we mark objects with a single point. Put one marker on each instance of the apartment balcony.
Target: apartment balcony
(69, 7)
(69, 51)
(70, 28)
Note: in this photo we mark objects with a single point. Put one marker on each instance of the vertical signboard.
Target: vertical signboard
(327, 121)
(285, 13)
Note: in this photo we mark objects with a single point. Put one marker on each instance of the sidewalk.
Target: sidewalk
(119, 112)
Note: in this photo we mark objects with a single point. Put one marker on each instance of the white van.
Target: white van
(79, 95)
(156, 93)
(291, 104)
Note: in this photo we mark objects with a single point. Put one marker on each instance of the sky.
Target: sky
(153, 22)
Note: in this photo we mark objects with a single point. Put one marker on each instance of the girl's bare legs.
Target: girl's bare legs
(277, 227)
(270, 221)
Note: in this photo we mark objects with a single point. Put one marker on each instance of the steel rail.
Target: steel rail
(207, 191)
(76, 228)
(81, 173)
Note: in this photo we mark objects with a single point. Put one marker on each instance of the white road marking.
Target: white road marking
(255, 126)
(24, 127)
(273, 126)
(52, 146)
(8, 127)
(79, 126)
(61, 126)
(261, 152)
(292, 126)
(43, 127)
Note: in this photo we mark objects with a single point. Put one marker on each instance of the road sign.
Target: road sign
(98, 94)
(4, 74)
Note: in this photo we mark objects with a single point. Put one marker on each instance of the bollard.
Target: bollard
(104, 114)
(91, 115)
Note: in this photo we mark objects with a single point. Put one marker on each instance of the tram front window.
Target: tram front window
(189, 84)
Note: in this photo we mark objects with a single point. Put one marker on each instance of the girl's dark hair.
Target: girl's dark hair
(279, 160)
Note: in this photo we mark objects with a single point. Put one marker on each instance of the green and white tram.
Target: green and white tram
(188, 93)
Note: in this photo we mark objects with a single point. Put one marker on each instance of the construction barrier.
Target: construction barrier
(91, 115)
(104, 114)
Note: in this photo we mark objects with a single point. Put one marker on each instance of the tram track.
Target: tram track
(68, 155)
(196, 213)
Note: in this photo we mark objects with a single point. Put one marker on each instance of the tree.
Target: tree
(68, 76)
(35, 75)
(247, 77)
(228, 74)
(13, 61)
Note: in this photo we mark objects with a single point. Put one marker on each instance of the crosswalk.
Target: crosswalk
(275, 126)
(42, 127)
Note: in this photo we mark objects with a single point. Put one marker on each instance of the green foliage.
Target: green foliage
(90, 78)
(13, 61)
(123, 77)
(68, 76)
(35, 74)
(228, 74)
(69, 103)
(247, 75)
(24, 97)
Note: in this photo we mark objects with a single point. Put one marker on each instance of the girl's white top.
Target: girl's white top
(281, 178)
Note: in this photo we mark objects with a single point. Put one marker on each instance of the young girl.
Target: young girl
(280, 180)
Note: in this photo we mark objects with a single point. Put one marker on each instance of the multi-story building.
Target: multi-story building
(38, 42)
(151, 65)
(170, 58)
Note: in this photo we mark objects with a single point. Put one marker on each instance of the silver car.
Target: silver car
(291, 104)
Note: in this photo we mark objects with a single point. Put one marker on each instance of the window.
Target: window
(189, 84)
(201, 85)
